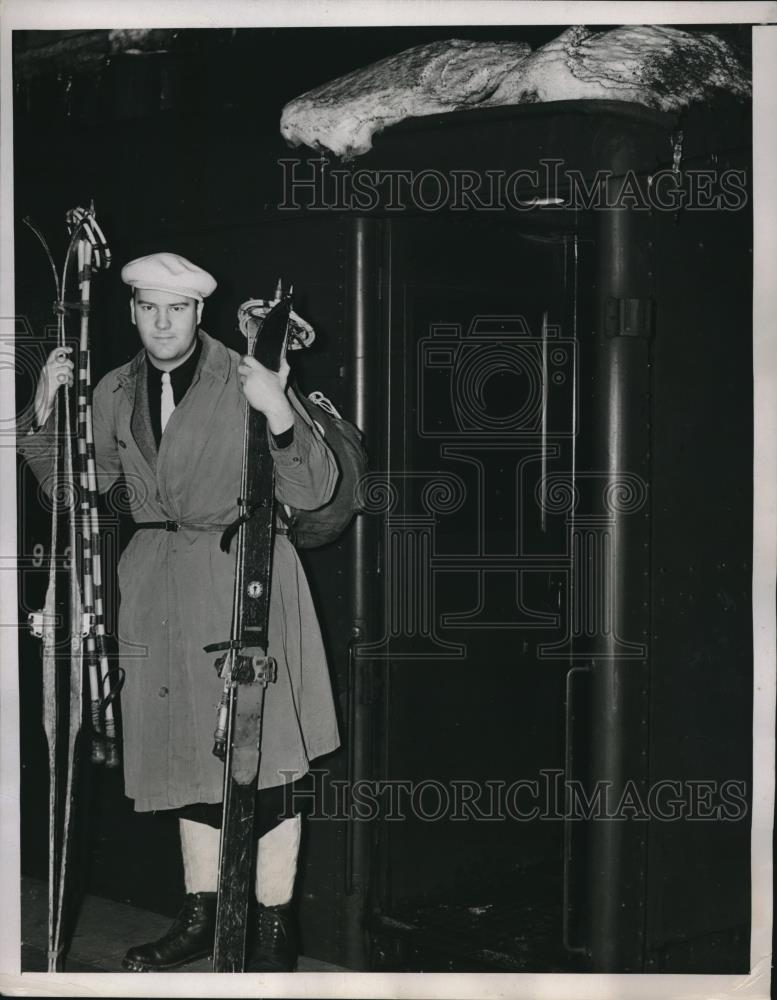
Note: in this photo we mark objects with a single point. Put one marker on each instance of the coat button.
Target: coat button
(163, 692)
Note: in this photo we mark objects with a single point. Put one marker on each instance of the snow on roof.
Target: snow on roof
(662, 68)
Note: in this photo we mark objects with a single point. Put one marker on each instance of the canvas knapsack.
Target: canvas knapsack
(309, 529)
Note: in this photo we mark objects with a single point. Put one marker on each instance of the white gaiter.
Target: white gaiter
(276, 862)
(276, 859)
(200, 850)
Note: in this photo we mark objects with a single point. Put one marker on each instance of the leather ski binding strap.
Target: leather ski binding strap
(215, 647)
(231, 529)
(254, 669)
(249, 668)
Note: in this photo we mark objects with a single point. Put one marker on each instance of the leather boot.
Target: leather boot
(276, 940)
(189, 938)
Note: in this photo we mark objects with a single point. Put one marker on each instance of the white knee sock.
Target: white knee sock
(276, 859)
(200, 850)
(276, 862)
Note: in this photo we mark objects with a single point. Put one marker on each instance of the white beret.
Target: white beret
(167, 272)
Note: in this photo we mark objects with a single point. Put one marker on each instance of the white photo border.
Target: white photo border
(64, 14)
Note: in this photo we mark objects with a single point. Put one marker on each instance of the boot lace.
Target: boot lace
(192, 912)
(271, 927)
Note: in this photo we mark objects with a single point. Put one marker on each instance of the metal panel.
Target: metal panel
(473, 576)
(702, 686)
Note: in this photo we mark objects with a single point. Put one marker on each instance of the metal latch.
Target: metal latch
(628, 317)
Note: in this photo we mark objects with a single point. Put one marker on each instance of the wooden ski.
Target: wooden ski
(75, 704)
(86, 242)
(46, 629)
(246, 667)
(44, 625)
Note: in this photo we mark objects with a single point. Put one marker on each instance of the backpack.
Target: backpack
(309, 529)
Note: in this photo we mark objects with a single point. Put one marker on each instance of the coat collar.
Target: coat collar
(140, 422)
(215, 362)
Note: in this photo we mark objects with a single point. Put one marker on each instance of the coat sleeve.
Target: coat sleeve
(306, 472)
(106, 449)
(39, 447)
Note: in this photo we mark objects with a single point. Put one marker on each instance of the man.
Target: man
(171, 422)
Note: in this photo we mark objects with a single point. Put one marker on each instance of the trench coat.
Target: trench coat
(176, 588)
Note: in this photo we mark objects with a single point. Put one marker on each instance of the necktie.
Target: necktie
(168, 403)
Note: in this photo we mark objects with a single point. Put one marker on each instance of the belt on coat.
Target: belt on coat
(190, 526)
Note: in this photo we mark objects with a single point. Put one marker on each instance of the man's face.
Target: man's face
(167, 324)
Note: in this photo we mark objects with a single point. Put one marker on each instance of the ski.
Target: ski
(245, 666)
(86, 244)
